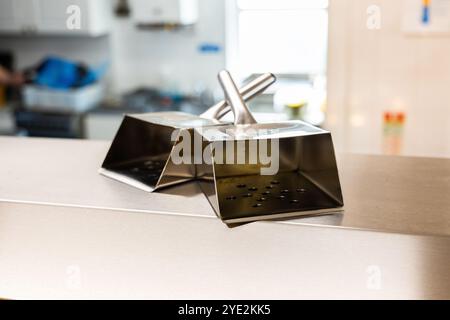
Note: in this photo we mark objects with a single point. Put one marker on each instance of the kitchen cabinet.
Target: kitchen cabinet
(178, 12)
(7, 16)
(55, 17)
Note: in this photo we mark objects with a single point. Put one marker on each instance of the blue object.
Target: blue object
(63, 74)
(209, 48)
(426, 15)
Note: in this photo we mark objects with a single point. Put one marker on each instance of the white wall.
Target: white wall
(371, 71)
(157, 58)
(138, 58)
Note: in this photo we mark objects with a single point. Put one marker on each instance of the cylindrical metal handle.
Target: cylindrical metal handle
(248, 92)
(241, 113)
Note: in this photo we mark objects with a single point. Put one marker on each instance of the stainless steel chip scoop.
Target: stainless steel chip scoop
(306, 182)
(141, 150)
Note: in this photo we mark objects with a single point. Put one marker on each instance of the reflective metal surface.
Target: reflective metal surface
(140, 152)
(59, 252)
(249, 91)
(60, 221)
(304, 180)
(239, 193)
(235, 100)
(384, 194)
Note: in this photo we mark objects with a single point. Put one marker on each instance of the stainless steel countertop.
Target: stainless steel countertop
(386, 194)
(67, 232)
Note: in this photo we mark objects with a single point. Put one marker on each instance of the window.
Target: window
(282, 36)
(288, 38)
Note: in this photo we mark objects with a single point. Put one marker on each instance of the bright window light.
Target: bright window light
(283, 36)
(281, 4)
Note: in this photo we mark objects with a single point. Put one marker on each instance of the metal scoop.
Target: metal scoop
(248, 188)
(140, 152)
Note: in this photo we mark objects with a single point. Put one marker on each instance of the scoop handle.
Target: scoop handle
(242, 114)
(248, 92)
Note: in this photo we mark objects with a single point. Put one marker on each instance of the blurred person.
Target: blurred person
(10, 78)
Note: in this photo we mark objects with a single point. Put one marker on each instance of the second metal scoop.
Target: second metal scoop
(301, 177)
(141, 150)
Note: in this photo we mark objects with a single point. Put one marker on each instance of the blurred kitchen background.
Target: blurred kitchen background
(374, 72)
